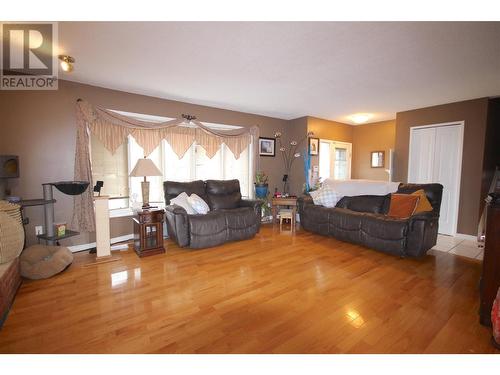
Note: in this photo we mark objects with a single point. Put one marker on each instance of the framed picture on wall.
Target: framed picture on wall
(313, 146)
(377, 159)
(267, 146)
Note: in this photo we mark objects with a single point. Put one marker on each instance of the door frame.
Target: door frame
(332, 161)
(461, 125)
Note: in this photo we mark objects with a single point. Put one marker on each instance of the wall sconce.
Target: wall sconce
(67, 62)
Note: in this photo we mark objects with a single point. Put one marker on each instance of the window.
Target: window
(340, 168)
(334, 160)
(125, 191)
(112, 169)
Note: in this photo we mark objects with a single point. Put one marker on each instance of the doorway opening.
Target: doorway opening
(334, 159)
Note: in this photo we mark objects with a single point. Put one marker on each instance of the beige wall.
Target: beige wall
(474, 114)
(39, 126)
(326, 129)
(377, 136)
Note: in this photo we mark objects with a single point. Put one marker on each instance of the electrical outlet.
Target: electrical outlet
(38, 230)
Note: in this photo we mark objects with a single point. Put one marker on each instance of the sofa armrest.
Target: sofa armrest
(175, 209)
(177, 224)
(253, 203)
(424, 216)
(304, 201)
(422, 233)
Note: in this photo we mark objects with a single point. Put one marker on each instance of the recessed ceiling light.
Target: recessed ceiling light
(66, 62)
(360, 118)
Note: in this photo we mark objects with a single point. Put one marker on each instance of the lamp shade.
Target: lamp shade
(145, 167)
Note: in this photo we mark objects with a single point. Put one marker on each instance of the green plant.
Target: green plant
(265, 207)
(261, 178)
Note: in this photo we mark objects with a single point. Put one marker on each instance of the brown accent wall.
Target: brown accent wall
(377, 136)
(297, 130)
(474, 114)
(39, 126)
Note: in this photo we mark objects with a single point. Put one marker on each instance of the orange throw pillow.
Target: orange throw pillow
(403, 205)
(423, 203)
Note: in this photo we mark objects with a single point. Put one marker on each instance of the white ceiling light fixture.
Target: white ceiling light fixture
(67, 62)
(360, 118)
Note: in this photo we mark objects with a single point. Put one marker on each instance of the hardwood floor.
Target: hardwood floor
(276, 293)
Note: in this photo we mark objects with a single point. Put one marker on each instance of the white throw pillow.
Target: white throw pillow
(314, 194)
(198, 204)
(326, 196)
(182, 201)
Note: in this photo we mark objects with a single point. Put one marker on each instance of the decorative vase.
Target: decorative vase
(286, 185)
(261, 190)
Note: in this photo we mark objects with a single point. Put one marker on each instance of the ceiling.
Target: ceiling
(290, 69)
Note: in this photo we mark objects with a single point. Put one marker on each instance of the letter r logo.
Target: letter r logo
(27, 49)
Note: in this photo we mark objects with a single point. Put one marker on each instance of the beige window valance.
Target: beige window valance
(113, 128)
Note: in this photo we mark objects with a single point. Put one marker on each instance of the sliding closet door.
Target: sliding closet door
(446, 172)
(436, 156)
(421, 164)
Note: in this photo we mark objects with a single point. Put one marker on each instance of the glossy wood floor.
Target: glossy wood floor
(276, 293)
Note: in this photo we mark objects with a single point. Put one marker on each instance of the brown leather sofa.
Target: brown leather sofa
(230, 218)
(363, 220)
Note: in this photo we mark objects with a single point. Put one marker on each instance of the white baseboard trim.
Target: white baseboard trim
(86, 246)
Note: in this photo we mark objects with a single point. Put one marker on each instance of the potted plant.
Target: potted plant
(261, 186)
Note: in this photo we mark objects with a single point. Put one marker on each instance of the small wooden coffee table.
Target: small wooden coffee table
(289, 201)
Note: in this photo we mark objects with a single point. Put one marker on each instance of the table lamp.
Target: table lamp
(143, 168)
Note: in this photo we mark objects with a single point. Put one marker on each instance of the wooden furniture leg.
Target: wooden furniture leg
(275, 213)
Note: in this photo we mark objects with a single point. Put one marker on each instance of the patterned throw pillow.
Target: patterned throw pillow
(325, 196)
(403, 205)
(198, 204)
(182, 201)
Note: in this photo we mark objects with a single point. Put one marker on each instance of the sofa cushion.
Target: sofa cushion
(402, 205)
(207, 230)
(173, 189)
(182, 201)
(198, 204)
(380, 232)
(223, 194)
(315, 218)
(345, 224)
(384, 227)
(364, 203)
(433, 192)
(326, 197)
(241, 223)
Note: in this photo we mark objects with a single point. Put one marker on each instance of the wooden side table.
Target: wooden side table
(277, 202)
(148, 232)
